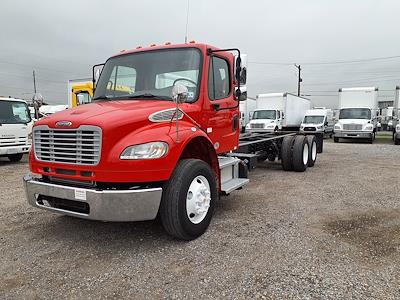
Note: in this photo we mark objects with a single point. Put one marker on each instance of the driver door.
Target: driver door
(222, 111)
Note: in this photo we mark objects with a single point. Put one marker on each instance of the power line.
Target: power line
(328, 62)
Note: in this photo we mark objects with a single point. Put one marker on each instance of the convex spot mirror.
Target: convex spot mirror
(180, 93)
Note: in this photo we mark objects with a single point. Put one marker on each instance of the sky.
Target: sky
(341, 43)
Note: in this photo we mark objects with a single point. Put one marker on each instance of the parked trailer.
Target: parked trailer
(278, 111)
(165, 149)
(247, 109)
(358, 114)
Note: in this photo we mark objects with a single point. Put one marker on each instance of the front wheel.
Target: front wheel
(188, 199)
(15, 157)
(335, 139)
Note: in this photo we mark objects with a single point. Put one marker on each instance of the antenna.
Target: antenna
(34, 81)
(187, 21)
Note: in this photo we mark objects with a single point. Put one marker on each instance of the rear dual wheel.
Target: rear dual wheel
(298, 152)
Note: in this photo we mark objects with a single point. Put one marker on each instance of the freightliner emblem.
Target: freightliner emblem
(64, 123)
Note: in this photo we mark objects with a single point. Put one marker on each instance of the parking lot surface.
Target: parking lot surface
(332, 232)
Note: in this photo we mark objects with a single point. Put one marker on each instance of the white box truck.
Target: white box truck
(318, 120)
(246, 108)
(15, 128)
(358, 111)
(278, 111)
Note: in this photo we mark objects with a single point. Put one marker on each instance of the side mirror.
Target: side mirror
(326, 123)
(241, 77)
(180, 93)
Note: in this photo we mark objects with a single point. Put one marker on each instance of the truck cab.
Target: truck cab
(265, 120)
(151, 148)
(15, 128)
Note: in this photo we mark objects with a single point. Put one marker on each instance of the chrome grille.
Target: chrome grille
(80, 146)
(13, 141)
(352, 127)
(256, 125)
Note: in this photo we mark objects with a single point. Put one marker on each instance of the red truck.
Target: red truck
(169, 147)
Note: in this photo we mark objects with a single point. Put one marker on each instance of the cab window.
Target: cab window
(219, 83)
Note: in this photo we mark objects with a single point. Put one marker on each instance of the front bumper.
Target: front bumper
(102, 205)
(353, 134)
(260, 129)
(9, 150)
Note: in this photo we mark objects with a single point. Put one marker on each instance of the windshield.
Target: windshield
(313, 119)
(355, 113)
(150, 75)
(13, 112)
(264, 114)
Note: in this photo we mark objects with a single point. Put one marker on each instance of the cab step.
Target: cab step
(230, 181)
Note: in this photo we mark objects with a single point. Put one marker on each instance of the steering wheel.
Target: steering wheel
(181, 79)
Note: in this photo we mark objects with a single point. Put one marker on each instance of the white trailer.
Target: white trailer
(358, 111)
(318, 120)
(278, 111)
(246, 108)
(15, 128)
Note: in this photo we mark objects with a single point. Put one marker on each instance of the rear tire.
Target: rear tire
(312, 147)
(335, 139)
(397, 141)
(300, 153)
(15, 157)
(286, 153)
(188, 199)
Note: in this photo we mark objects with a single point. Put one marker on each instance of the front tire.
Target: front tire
(188, 199)
(15, 157)
(335, 139)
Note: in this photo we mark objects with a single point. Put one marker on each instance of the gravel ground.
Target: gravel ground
(332, 232)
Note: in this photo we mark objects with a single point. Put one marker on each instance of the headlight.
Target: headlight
(248, 126)
(319, 127)
(30, 138)
(369, 127)
(337, 126)
(270, 125)
(302, 127)
(398, 127)
(145, 151)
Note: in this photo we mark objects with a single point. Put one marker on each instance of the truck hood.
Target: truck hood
(108, 113)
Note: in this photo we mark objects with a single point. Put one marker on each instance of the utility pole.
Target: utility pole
(300, 80)
(34, 82)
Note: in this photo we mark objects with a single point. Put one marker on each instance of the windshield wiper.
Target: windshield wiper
(103, 97)
(143, 96)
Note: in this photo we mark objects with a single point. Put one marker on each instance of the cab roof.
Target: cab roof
(166, 46)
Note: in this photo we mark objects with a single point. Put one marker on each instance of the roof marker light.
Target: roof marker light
(153, 45)
(192, 42)
(139, 47)
(168, 43)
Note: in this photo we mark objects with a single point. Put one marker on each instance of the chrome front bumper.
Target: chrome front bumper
(102, 205)
(353, 134)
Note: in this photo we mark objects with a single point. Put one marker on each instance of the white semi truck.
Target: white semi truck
(246, 111)
(278, 111)
(358, 111)
(318, 120)
(15, 128)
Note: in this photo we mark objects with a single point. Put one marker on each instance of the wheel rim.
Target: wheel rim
(305, 154)
(198, 199)
(314, 151)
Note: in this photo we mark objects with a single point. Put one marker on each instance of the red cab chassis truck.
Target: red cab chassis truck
(168, 146)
